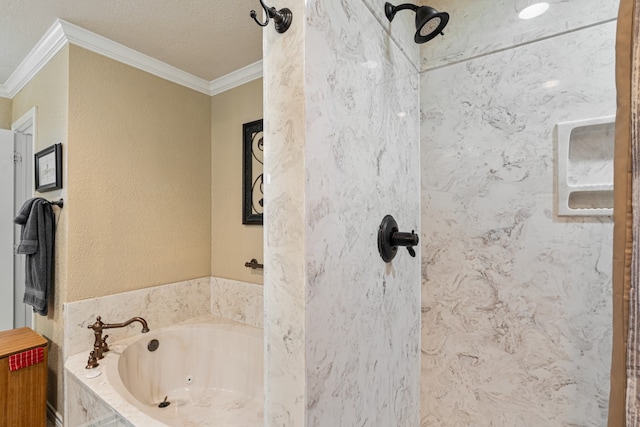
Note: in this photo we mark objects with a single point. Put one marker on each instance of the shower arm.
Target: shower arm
(391, 10)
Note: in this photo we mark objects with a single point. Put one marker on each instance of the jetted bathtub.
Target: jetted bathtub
(211, 374)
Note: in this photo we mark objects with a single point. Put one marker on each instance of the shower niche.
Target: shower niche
(585, 167)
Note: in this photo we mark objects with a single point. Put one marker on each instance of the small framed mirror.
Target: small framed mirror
(253, 183)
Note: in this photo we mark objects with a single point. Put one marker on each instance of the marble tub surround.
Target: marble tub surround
(481, 27)
(85, 409)
(342, 141)
(160, 306)
(516, 301)
(239, 301)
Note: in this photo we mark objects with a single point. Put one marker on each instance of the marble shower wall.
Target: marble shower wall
(342, 140)
(284, 305)
(516, 301)
(477, 28)
(362, 162)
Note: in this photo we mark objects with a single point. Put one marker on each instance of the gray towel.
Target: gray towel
(37, 240)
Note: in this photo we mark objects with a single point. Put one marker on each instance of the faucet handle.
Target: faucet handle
(92, 362)
(97, 326)
(105, 346)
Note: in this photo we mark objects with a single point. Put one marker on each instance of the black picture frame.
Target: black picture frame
(252, 173)
(48, 168)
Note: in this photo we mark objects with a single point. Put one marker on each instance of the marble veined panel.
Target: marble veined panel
(516, 323)
(284, 133)
(85, 409)
(401, 29)
(240, 301)
(361, 162)
(478, 27)
(159, 305)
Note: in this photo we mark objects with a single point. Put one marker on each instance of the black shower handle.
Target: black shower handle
(406, 239)
(389, 238)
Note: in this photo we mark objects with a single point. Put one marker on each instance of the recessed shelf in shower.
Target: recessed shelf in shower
(585, 167)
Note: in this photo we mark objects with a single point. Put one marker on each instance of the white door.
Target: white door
(23, 190)
(6, 229)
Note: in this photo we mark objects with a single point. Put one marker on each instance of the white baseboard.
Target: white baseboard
(53, 415)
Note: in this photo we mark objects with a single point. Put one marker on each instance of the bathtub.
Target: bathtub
(211, 374)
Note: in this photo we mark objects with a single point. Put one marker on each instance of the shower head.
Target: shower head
(429, 22)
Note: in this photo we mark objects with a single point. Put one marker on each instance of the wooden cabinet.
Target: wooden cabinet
(23, 392)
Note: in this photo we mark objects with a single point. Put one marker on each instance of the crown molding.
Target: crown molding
(48, 46)
(62, 33)
(236, 78)
(118, 52)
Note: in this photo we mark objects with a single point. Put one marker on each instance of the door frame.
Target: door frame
(7, 258)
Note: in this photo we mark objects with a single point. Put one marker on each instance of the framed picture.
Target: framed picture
(48, 167)
(253, 183)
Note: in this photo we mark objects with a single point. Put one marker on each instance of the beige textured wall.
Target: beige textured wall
(5, 113)
(48, 92)
(232, 243)
(139, 179)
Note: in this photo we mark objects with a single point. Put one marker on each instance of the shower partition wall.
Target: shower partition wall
(342, 151)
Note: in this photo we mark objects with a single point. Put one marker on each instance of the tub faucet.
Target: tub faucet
(100, 345)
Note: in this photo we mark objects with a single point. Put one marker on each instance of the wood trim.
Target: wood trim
(17, 340)
(23, 393)
(621, 268)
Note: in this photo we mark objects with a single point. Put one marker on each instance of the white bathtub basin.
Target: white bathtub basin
(211, 374)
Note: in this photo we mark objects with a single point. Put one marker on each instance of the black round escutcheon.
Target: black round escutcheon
(153, 345)
(387, 228)
(389, 238)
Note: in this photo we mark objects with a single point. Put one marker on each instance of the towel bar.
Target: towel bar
(253, 264)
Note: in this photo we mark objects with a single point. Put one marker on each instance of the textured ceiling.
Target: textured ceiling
(205, 38)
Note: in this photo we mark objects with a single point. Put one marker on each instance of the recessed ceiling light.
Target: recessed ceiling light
(533, 10)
